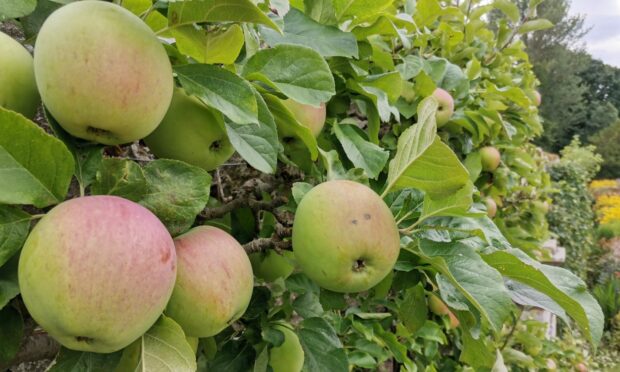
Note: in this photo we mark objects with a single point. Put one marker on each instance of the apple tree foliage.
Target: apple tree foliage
(376, 64)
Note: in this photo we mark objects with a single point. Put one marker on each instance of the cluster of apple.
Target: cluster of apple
(97, 271)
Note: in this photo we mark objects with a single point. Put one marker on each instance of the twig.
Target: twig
(247, 201)
(261, 244)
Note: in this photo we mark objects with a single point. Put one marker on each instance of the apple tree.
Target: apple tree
(349, 185)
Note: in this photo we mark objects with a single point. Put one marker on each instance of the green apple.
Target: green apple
(289, 356)
(96, 272)
(214, 282)
(551, 365)
(102, 72)
(193, 343)
(491, 207)
(445, 109)
(191, 132)
(345, 237)
(271, 265)
(18, 89)
(490, 158)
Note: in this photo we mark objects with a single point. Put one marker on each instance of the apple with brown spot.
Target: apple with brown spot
(214, 282)
(96, 272)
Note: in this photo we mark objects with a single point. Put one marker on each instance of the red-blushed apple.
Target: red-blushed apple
(490, 158)
(491, 207)
(102, 72)
(214, 282)
(308, 116)
(191, 132)
(96, 272)
(438, 307)
(345, 237)
(445, 107)
(18, 89)
(537, 98)
(289, 356)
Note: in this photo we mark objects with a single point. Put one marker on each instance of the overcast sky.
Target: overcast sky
(603, 16)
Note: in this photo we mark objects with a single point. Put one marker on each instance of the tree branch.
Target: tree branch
(262, 244)
(244, 201)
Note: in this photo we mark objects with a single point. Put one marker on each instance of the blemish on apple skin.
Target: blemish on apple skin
(367, 216)
(85, 339)
(165, 256)
(354, 222)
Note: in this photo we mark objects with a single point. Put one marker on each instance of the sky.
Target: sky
(603, 16)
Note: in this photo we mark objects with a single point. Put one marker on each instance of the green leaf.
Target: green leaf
(177, 193)
(233, 355)
(257, 144)
(35, 168)
(528, 296)
(220, 89)
(359, 9)
(427, 12)
(383, 90)
(307, 305)
(456, 204)
(410, 67)
(300, 189)
(335, 170)
(300, 29)
(163, 348)
(363, 154)
(481, 284)
(9, 287)
(509, 8)
(214, 47)
(562, 286)
(321, 11)
(322, 348)
(199, 11)
(14, 226)
(284, 118)
(535, 25)
(79, 361)
(122, 178)
(412, 308)
(297, 71)
(12, 331)
(423, 161)
(87, 156)
(16, 8)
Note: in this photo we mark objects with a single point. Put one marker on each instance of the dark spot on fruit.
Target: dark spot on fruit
(216, 146)
(367, 216)
(87, 340)
(288, 139)
(354, 222)
(359, 265)
(99, 131)
(165, 255)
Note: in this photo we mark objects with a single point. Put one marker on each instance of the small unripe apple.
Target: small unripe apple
(438, 307)
(537, 98)
(18, 89)
(191, 132)
(490, 158)
(214, 282)
(445, 107)
(309, 116)
(289, 356)
(581, 367)
(102, 72)
(271, 265)
(96, 272)
(345, 237)
(551, 365)
(491, 207)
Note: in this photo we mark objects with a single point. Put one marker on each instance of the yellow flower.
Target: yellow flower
(603, 184)
(608, 208)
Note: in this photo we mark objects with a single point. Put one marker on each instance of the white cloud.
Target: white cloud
(603, 17)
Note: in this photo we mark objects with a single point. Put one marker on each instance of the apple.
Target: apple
(309, 116)
(490, 158)
(445, 109)
(537, 98)
(438, 307)
(345, 237)
(271, 265)
(102, 72)
(581, 367)
(551, 365)
(191, 132)
(491, 207)
(289, 356)
(96, 272)
(18, 89)
(214, 282)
